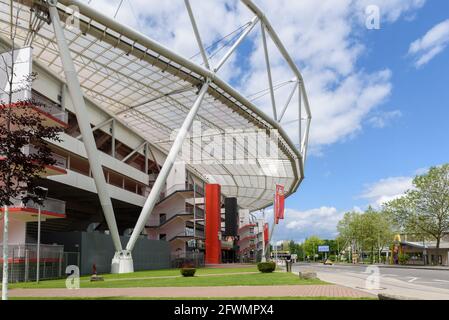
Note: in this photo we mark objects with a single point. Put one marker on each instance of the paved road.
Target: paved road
(432, 278)
(414, 283)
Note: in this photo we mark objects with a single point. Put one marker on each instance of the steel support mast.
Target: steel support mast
(122, 261)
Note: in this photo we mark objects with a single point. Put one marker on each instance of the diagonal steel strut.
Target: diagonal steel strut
(166, 168)
(76, 94)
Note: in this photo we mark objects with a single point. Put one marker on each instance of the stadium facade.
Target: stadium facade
(128, 106)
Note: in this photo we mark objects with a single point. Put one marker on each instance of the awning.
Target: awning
(150, 89)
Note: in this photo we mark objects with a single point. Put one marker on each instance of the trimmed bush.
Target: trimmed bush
(188, 272)
(403, 258)
(266, 267)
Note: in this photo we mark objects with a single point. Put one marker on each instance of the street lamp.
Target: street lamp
(41, 193)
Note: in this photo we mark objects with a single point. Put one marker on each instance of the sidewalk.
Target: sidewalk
(333, 291)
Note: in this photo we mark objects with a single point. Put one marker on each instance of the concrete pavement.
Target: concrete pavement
(411, 283)
(334, 291)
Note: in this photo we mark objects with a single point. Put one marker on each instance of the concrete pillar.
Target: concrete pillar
(213, 223)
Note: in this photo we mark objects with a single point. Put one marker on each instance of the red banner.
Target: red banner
(279, 203)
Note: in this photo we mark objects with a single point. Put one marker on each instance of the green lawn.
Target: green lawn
(171, 278)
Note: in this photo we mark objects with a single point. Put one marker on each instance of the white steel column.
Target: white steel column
(299, 114)
(74, 88)
(166, 168)
(287, 104)
(252, 24)
(270, 78)
(197, 34)
(5, 254)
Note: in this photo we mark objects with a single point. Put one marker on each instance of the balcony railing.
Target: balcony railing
(188, 233)
(61, 162)
(199, 213)
(49, 204)
(163, 219)
(181, 187)
(49, 107)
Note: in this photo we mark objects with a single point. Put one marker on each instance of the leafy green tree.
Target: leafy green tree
(366, 232)
(311, 246)
(296, 248)
(424, 209)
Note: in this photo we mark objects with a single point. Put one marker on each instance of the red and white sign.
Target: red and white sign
(279, 203)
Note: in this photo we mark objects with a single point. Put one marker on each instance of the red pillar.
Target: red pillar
(213, 223)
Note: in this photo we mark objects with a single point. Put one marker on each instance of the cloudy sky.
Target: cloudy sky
(379, 96)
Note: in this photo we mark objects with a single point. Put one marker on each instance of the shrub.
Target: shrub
(188, 272)
(266, 267)
(403, 258)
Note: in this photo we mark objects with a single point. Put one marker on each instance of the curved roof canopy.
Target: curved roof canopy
(150, 89)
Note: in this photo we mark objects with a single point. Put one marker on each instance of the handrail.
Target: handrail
(185, 233)
(174, 216)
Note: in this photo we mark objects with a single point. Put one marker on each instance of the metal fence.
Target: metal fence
(22, 262)
(194, 259)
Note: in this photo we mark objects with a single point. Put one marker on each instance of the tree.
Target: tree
(366, 232)
(20, 126)
(295, 248)
(424, 209)
(349, 230)
(311, 246)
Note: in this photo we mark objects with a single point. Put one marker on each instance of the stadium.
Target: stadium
(141, 180)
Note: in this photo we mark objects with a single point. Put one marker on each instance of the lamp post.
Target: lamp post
(5, 255)
(264, 257)
(38, 251)
(42, 195)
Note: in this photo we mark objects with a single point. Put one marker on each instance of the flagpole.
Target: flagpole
(277, 212)
(274, 223)
(264, 258)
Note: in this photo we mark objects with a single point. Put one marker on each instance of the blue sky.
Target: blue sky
(408, 143)
(378, 97)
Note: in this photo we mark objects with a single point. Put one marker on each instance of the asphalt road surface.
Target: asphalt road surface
(413, 283)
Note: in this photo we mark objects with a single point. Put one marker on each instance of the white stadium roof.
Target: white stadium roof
(150, 89)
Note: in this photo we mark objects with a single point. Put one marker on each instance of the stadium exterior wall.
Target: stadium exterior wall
(97, 248)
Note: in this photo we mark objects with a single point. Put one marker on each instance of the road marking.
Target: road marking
(412, 279)
(437, 280)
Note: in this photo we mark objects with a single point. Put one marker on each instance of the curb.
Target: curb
(390, 297)
(412, 267)
(391, 266)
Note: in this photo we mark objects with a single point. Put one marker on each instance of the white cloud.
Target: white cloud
(323, 221)
(386, 190)
(382, 119)
(431, 44)
(325, 38)
(299, 225)
(392, 10)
